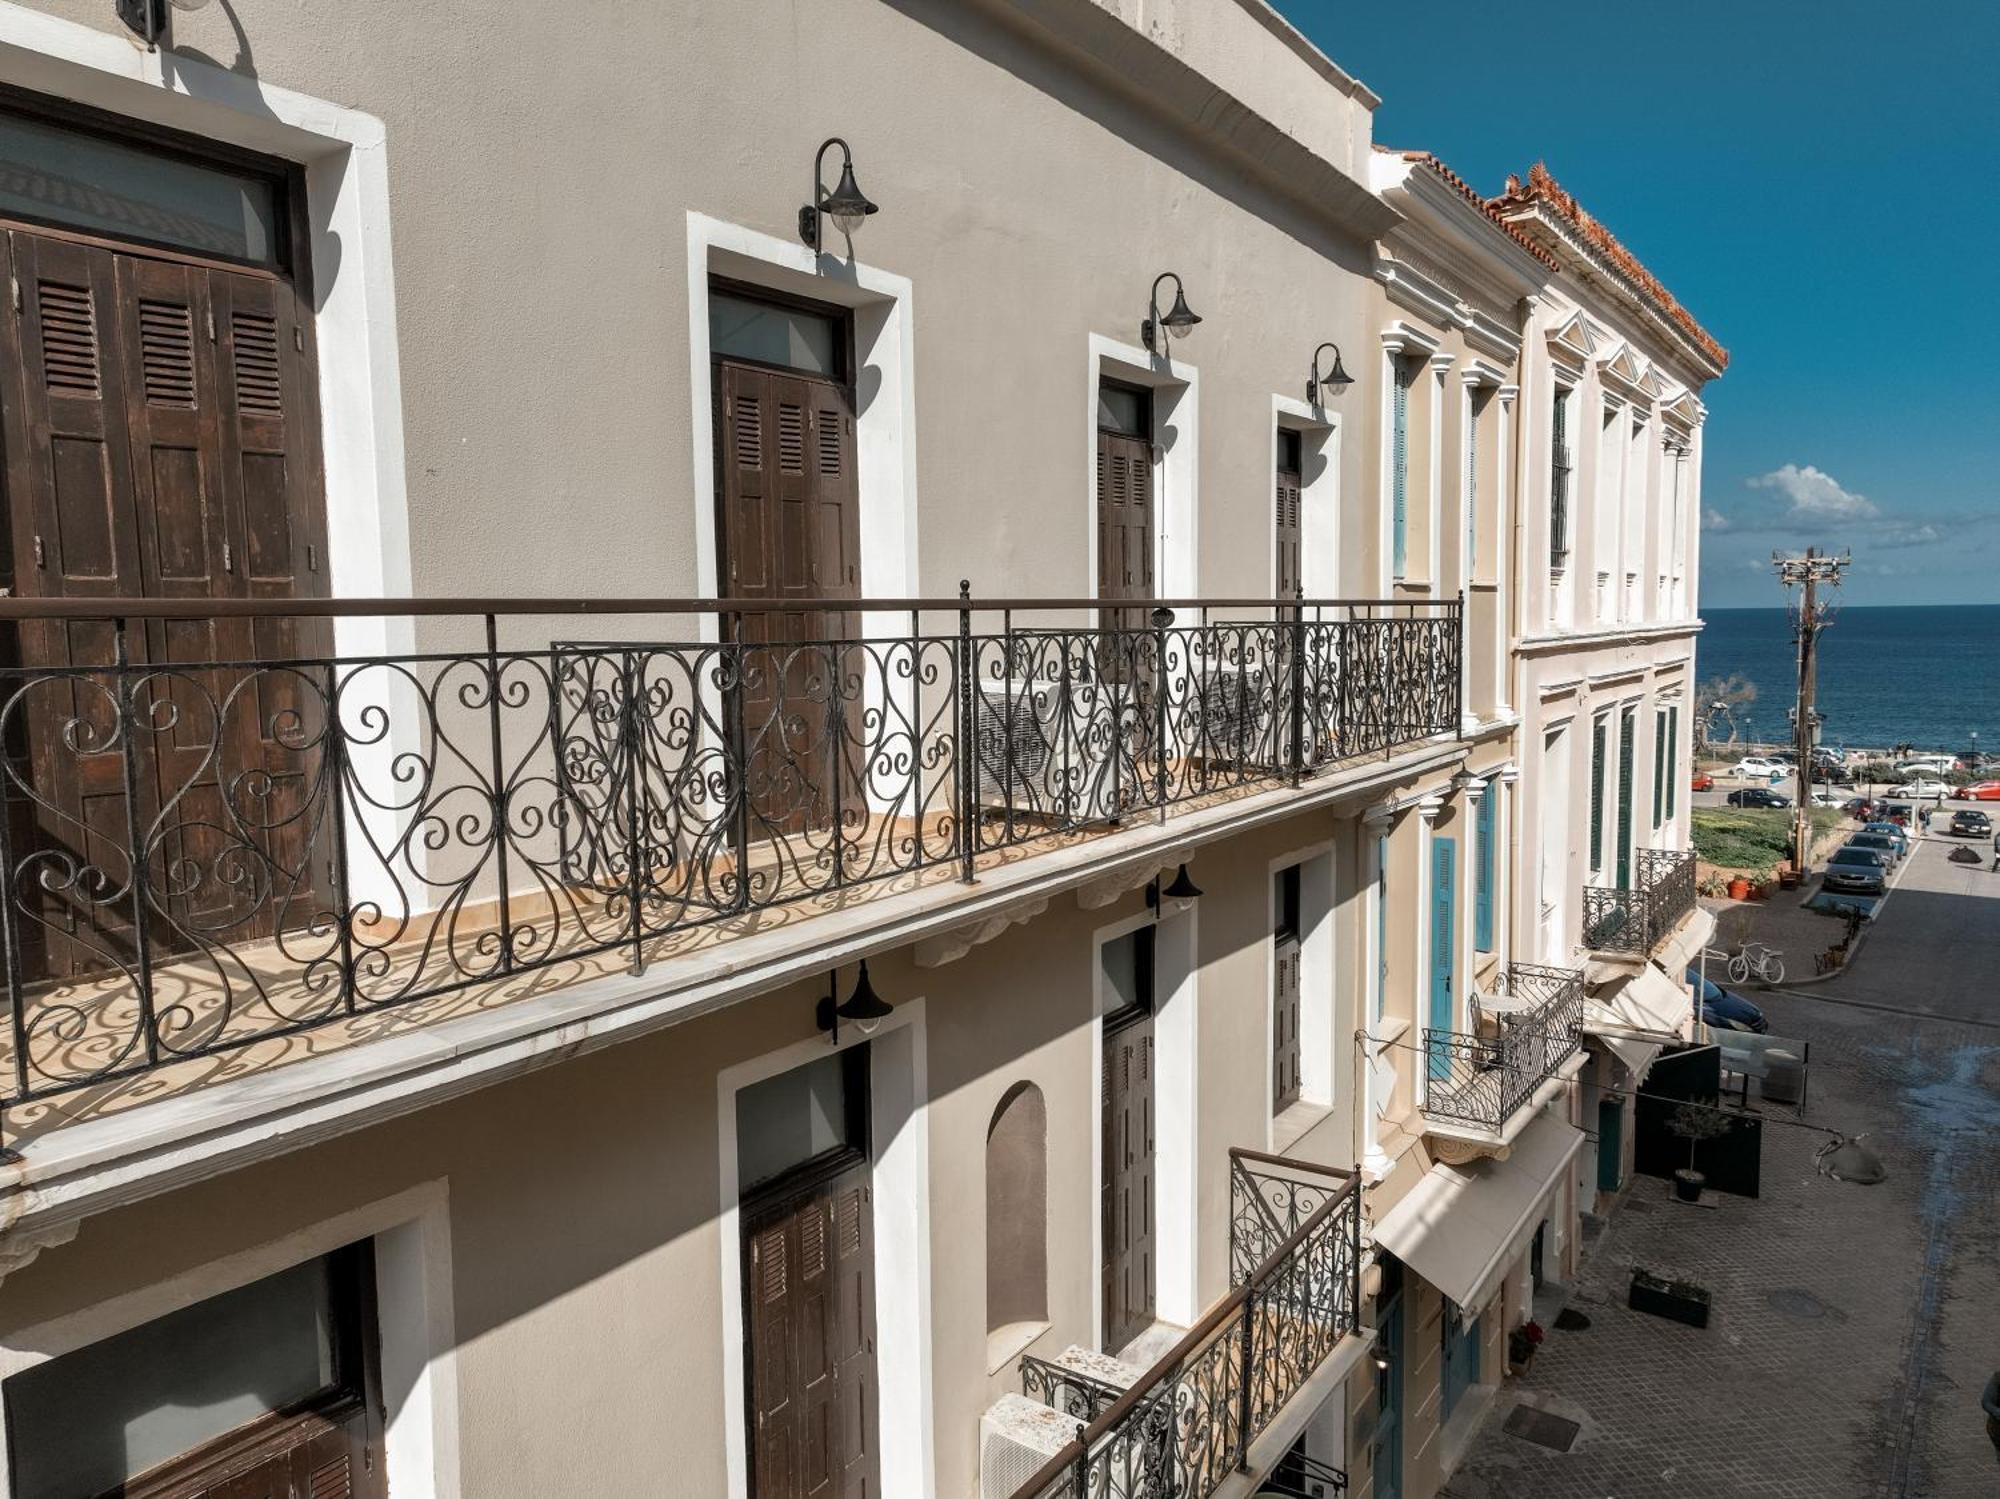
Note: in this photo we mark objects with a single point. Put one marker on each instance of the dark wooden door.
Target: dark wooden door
(1125, 523)
(790, 532)
(161, 428)
(1285, 1079)
(1129, 1300)
(810, 1282)
(1287, 521)
(307, 1456)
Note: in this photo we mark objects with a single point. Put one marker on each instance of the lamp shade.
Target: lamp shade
(1180, 317)
(847, 205)
(864, 1006)
(1182, 888)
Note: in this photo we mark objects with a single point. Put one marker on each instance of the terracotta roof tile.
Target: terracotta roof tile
(1542, 190)
(1471, 195)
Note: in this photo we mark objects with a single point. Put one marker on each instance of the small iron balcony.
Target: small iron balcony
(1481, 1081)
(1188, 1423)
(1637, 919)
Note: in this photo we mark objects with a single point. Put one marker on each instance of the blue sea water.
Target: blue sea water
(1925, 676)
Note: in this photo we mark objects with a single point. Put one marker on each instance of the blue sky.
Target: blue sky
(1817, 182)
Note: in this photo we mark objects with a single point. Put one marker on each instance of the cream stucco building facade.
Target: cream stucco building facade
(515, 1087)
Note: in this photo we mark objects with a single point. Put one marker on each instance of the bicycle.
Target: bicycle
(1767, 963)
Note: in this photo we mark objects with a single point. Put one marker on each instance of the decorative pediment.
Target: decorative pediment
(1684, 409)
(1652, 384)
(1572, 342)
(1622, 369)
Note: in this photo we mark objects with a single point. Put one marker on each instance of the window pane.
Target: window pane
(772, 335)
(63, 177)
(1120, 409)
(786, 1120)
(87, 1421)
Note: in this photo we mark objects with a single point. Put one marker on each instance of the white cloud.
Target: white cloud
(1714, 520)
(1812, 491)
(1911, 536)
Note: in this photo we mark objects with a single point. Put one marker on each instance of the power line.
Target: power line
(1809, 617)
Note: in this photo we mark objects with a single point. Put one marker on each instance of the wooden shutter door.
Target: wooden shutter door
(1290, 533)
(810, 1285)
(1285, 1085)
(1399, 469)
(1124, 519)
(1128, 1181)
(1626, 724)
(74, 535)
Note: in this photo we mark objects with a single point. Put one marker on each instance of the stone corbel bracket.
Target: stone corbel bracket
(949, 947)
(1098, 894)
(18, 1247)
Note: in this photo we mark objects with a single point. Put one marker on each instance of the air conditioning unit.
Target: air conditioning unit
(1230, 719)
(1042, 756)
(1017, 1437)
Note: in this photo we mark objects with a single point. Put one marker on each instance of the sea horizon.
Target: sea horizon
(1889, 674)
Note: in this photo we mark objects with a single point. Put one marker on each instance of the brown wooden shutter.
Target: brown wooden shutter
(1285, 1053)
(1290, 533)
(1128, 1181)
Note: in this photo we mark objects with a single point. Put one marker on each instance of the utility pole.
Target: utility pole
(1809, 617)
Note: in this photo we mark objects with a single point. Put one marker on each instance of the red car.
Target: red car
(1985, 791)
(1703, 781)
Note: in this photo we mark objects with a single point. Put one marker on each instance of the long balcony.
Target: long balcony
(1532, 1023)
(224, 834)
(1635, 920)
(1207, 1414)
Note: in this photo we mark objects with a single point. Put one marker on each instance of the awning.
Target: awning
(1685, 945)
(1461, 1225)
(1637, 1055)
(1648, 1006)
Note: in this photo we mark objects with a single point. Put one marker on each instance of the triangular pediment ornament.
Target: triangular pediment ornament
(1685, 407)
(1622, 365)
(1574, 338)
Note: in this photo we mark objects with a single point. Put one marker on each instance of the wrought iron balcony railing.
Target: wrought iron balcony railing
(1481, 1080)
(1188, 1423)
(219, 830)
(1636, 919)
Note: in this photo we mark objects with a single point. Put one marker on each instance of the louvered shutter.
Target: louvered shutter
(1285, 998)
(1483, 897)
(1627, 725)
(1290, 532)
(1659, 765)
(1597, 745)
(1674, 759)
(1559, 480)
(1399, 443)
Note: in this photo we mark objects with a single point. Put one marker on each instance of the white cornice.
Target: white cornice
(1402, 338)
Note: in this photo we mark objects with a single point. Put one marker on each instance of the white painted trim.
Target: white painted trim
(899, 1103)
(1320, 519)
(885, 424)
(1176, 472)
(414, 1314)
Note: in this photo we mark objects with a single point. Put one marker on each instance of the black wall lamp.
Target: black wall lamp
(1182, 893)
(1333, 382)
(148, 18)
(864, 1007)
(1179, 318)
(846, 204)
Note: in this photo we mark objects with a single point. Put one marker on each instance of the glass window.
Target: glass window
(87, 1421)
(769, 334)
(1290, 450)
(1120, 408)
(1128, 971)
(59, 176)
(789, 1119)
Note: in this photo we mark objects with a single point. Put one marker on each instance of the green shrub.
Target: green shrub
(1753, 839)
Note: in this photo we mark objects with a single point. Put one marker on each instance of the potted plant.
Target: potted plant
(1678, 1300)
(1695, 1122)
(1521, 1345)
(1739, 887)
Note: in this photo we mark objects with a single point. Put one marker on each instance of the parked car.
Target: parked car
(1702, 781)
(1890, 830)
(1983, 791)
(1859, 807)
(1922, 789)
(1758, 796)
(1933, 765)
(1901, 813)
(1860, 870)
(1968, 822)
(1823, 798)
(1725, 1010)
(1759, 768)
(1894, 847)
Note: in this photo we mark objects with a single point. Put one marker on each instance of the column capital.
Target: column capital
(1430, 806)
(1379, 818)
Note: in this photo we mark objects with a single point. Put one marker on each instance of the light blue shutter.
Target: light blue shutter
(1673, 759)
(1444, 902)
(1659, 765)
(1482, 898)
(1399, 429)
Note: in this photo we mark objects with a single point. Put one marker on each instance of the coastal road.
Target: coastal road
(1853, 1326)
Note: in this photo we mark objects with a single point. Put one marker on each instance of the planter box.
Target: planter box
(1676, 1300)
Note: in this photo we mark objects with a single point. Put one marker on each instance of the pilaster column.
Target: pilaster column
(1471, 790)
(1510, 853)
(1420, 998)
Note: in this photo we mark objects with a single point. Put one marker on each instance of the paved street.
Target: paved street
(1853, 1326)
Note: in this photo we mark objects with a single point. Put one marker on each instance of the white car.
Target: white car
(1759, 768)
(1829, 798)
(1921, 790)
(1927, 765)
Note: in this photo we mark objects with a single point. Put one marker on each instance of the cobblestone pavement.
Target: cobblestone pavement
(1853, 1327)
